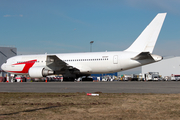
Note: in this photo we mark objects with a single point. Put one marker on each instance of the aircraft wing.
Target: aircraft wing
(55, 63)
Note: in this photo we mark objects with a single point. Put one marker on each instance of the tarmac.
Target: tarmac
(168, 87)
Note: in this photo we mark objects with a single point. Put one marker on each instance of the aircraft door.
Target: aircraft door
(115, 59)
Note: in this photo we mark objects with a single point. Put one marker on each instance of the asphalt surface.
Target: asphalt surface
(90, 87)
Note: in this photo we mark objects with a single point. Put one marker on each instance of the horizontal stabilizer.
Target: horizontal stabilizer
(147, 55)
(142, 56)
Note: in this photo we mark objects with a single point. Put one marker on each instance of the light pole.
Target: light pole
(91, 45)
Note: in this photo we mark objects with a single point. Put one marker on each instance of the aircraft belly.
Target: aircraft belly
(106, 67)
(129, 63)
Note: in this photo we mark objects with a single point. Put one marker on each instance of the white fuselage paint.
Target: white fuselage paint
(87, 63)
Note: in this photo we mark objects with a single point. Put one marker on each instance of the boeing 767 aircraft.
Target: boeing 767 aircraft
(74, 65)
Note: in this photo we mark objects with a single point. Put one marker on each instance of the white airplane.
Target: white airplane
(74, 65)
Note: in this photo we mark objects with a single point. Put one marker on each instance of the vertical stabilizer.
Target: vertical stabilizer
(147, 39)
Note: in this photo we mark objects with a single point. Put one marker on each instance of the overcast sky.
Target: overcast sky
(64, 26)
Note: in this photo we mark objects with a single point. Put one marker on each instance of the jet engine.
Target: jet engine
(38, 72)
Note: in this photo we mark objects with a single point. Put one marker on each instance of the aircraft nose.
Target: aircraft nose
(3, 66)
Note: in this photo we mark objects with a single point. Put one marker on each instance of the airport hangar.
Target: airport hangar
(5, 53)
(165, 67)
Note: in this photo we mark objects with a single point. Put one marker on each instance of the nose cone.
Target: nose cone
(3, 67)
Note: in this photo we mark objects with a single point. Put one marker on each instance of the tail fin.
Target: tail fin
(147, 39)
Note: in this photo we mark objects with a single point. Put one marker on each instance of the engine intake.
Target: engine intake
(38, 72)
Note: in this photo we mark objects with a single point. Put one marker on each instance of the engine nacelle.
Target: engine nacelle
(38, 72)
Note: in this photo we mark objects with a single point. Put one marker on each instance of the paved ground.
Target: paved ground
(90, 87)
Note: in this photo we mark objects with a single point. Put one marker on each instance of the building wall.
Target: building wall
(6, 52)
(166, 67)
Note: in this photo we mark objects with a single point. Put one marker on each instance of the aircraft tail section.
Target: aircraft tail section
(147, 55)
(147, 39)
